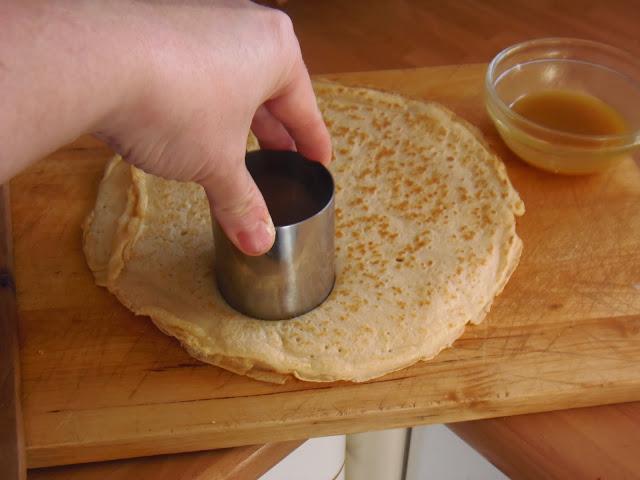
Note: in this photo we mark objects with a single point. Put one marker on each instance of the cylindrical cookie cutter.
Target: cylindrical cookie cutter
(298, 273)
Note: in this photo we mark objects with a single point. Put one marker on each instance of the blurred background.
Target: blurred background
(356, 35)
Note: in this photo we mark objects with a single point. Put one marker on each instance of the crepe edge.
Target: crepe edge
(258, 370)
(128, 229)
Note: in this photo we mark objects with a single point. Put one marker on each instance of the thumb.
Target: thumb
(238, 206)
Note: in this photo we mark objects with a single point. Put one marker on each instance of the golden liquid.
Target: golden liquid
(570, 112)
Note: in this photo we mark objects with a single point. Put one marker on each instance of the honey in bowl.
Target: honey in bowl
(570, 112)
(578, 129)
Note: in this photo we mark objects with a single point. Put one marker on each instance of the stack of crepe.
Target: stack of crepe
(425, 240)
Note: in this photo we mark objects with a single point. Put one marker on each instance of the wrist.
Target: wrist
(125, 68)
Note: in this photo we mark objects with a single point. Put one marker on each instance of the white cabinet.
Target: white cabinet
(436, 453)
(316, 459)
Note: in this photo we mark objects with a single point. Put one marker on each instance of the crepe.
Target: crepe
(425, 239)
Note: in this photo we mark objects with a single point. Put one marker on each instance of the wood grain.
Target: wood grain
(239, 463)
(100, 383)
(12, 455)
(597, 442)
(361, 35)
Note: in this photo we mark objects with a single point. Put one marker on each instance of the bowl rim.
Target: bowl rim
(613, 141)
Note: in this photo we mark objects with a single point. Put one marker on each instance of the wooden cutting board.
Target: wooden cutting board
(99, 383)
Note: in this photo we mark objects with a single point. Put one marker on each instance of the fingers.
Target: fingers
(295, 107)
(239, 208)
(270, 132)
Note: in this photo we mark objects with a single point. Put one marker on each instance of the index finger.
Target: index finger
(295, 106)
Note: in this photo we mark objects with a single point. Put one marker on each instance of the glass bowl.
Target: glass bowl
(592, 68)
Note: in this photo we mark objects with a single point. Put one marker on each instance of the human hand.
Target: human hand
(212, 71)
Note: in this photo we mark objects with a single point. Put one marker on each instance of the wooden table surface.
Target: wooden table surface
(344, 36)
(360, 35)
(596, 442)
(582, 443)
(12, 452)
(100, 383)
(239, 463)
